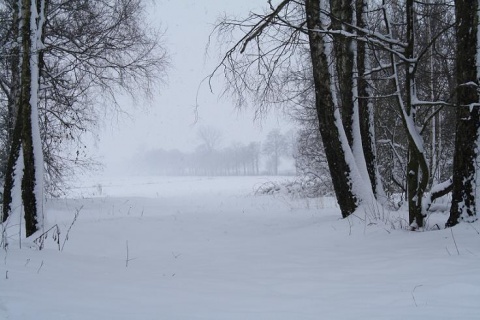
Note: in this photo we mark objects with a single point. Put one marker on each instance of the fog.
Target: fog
(182, 105)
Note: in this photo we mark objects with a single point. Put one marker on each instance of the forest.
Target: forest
(384, 94)
(378, 221)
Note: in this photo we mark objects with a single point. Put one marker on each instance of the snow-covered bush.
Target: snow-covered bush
(300, 187)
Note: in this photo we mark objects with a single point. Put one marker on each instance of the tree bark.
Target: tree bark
(365, 109)
(28, 180)
(15, 144)
(14, 125)
(328, 115)
(342, 12)
(26, 135)
(467, 114)
(417, 166)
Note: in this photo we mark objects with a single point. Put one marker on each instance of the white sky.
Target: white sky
(169, 122)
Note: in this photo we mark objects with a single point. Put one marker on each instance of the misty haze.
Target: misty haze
(274, 159)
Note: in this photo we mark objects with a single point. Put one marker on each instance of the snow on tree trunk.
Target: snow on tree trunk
(344, 53)
(365, 109)
(26, 137)
(347, 181)
(12, 175)
(37, 23)
(15, 225)
(467, 113)
(29, 98)
(417, 167)
(14, 114)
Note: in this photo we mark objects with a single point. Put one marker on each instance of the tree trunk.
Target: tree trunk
(10, 178)
(417, 166)
(413, 167)
(330, 124)
(15, 69)
(365, 109)
(342, 11)
(28, 180)
(26, 136)
(467, 114)
(14, 125)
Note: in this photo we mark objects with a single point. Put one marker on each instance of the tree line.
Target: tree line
(211, 159)
(385, 93)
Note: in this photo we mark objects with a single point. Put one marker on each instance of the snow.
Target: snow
(357, 148)
(441, 186)
(208, 248)
(362, 191)
(15, 222)
(379, 189)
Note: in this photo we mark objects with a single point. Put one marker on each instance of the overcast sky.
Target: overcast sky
(169, 122)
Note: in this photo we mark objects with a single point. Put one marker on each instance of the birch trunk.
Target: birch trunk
(365, 109)
(347, 181)
(342, 12)
(14, 121)
(26, 136)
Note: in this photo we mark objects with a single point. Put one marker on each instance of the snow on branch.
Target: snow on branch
(380, 43)
(437, 191)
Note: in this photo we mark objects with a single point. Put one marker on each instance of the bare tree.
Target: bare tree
(88, 51)
(281, 38)
(26, 156)
(253, 151)
(341, 39)
(210, 137)
(92, 51)
(275, 146)
(346, 177)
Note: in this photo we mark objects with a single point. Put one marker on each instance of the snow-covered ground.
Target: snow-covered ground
(208, 248)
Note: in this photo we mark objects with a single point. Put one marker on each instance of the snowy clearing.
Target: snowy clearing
(208, 248)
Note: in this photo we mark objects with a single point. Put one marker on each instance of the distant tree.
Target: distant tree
(210, 137)
(206, 152)
(254, 152)
(275, 146)
(239, 156)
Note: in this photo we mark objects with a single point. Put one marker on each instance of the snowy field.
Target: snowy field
(209, 248)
